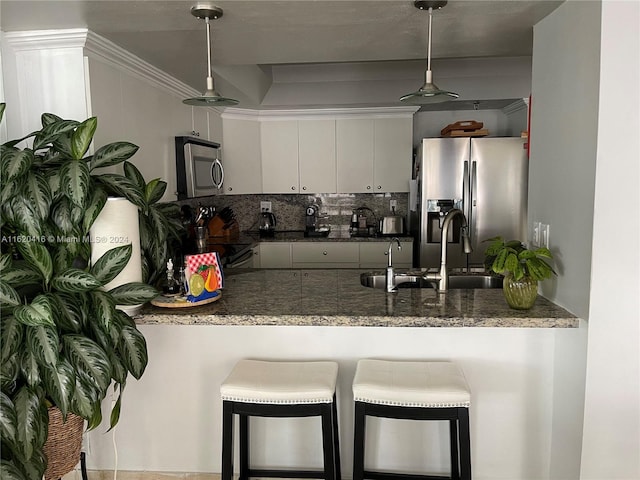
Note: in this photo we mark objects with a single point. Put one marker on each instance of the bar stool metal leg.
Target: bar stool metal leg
(453, 440)
(336, 441)
(244, 447)
(328, 442)
(358, 441)
(465, 442)
(227, 440)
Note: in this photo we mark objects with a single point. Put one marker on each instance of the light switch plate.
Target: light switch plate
(265, 206)
(544, 235)
(535, 240)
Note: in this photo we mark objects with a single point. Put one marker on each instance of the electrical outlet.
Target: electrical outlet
(536, 234)
(393, 204)
(265, 206)
(544, 234)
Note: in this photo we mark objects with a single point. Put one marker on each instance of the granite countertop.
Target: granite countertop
(336, 298)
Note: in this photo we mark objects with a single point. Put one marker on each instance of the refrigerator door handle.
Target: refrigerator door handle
(465, 189)
(471, 219)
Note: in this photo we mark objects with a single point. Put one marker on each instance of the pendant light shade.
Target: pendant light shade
(429, 92)
(210, 98)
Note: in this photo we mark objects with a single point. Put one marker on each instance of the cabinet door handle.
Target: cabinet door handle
(379, 187)
(230, 188)
(293, 188)
(324, 253)
(304, 188)
(368, 187)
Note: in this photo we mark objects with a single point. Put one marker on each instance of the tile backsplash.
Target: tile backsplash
(334, 208)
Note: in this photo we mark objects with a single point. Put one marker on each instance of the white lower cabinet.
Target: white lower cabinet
(374, 254)
(324, 255)
(309, 255)
(274, 255)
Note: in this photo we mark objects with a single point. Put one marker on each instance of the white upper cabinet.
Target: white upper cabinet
(279, 141)
(317, 156)
(241, 156)
(392, 154)
(374, 154)
(354, 154)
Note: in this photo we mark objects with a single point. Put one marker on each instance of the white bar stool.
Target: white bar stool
(280, 389)
(414, 391)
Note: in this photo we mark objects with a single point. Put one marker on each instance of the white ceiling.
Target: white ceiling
(259, 43)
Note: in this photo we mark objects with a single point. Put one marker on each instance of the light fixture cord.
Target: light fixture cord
(206, 20)
(429, 43)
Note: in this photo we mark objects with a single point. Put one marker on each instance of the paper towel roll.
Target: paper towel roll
(117, 225)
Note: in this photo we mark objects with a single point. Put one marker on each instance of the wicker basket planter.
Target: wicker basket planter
(63, 445)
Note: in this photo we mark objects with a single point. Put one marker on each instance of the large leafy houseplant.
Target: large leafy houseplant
(64, 341)
(521, 267)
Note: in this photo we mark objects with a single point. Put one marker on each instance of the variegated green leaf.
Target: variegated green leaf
(511, 262)
(25, 216)
(146, 233)
(85, 395)
(59, 382)
(75, 182)
(54, 180)
(8, 420)
(155, 190)
(115, 411)
(109, 265)
(16, 163)
(8, 296)
(133, 350)
(34, 469)
(96, 416)
(51, 132)
(44, 343)
(121, 186)
(49, 118)
(61, 215)
(9, 471)
(133, 293)
(96, 202)
(158, 224)
(5, 262)
(37, 191)
(133, 174)
(9, 371)
(62, 259)
(32, 430)
(21, 276)
(68, 315)
(10, 189)
(38, 257)
(104, 308)
(2, 108)
(82, 137)
(29, 368)
(88, 356)
(118, 371)
(113, 154)
(37, 313)
(74, 280)
(11, 336)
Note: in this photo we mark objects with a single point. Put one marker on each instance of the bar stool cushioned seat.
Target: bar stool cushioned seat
(280, 389)
(416, 391)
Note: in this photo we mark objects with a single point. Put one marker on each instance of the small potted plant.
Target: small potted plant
(522, 269)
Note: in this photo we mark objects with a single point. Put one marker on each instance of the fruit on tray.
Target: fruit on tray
(196, 285)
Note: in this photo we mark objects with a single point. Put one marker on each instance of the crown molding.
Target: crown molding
(99, 48)
(520, 104)
(316, 113)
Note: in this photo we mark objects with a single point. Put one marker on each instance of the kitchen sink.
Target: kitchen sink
(412, 280)
(318, 232)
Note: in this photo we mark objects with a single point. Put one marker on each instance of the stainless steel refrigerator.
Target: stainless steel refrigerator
(487, 178)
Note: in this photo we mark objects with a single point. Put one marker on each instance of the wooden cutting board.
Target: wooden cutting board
(463, 133)
(464, 125)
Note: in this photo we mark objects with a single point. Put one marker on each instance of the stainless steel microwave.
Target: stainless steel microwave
(199, 169)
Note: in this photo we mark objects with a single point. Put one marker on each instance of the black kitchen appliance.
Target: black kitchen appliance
(267, 224)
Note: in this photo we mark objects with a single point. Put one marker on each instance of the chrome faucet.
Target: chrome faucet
(442, 276)
(390, 284)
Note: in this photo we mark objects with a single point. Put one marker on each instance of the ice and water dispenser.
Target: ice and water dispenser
(437, 210)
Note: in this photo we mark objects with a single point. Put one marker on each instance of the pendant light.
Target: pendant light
(210, 98)
(429, 92)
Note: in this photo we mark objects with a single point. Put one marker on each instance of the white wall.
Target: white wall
(611, 443)
(564, 109)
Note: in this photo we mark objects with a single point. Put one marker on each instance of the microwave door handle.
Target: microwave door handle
(217, 163)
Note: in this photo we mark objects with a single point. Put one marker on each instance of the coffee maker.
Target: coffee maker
(311, 218)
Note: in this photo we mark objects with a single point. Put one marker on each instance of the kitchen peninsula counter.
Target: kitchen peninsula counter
(336, 298)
